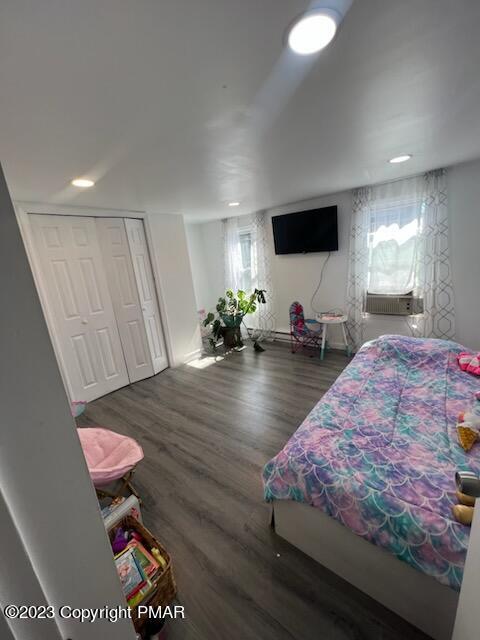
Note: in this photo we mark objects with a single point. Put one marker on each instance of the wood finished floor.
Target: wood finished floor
(206, 434)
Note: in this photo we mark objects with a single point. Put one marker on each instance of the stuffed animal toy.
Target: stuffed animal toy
(468, 426)
(463, 512)
(120, 540)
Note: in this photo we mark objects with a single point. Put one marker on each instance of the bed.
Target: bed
(366, 483)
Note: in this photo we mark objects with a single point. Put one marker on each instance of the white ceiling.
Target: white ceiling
(178, 106)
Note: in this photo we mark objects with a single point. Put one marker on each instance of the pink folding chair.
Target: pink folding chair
(301, 335)
(110, 457)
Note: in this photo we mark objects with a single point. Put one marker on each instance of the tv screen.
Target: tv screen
(306, 231)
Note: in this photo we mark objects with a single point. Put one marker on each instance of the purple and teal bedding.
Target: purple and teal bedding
(379, 452)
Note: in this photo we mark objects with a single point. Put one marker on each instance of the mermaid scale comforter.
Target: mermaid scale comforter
(379, 452)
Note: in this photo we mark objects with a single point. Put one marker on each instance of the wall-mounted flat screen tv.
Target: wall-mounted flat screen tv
(306, 231)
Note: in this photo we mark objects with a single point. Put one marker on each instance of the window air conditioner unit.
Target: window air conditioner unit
(392, 305)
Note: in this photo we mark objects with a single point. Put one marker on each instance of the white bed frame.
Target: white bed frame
(416, 597)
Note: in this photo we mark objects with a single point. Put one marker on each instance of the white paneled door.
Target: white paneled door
(74, 280)
(125, 298)
(146, 290)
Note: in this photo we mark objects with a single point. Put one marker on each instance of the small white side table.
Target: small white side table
(325, 320)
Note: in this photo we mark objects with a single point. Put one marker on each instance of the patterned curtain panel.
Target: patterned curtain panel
(399, 242)
(433, 268)
(264, 318)
(241, 234)
(358, 264)
(232, 255)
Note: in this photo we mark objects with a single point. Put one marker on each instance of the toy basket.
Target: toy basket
(165, 587)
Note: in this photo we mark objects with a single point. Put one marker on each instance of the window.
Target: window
(392, 247)
(245, 240)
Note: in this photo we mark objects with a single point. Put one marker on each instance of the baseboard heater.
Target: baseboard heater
(391, 305)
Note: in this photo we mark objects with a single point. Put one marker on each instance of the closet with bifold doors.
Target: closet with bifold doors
(96, 282)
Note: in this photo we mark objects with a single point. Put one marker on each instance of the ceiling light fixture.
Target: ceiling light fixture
(399, 159)
(313, 31)
(233, 204)
(83, 183)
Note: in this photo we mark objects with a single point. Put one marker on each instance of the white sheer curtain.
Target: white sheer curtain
(236, 231)
(434, 283)
(232, 255)
(358, 264)
(399, 244)
(263, 319)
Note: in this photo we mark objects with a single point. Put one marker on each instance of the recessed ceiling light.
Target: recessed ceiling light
(233, 204)
(313, 31)
(83, 183)
(399, 159)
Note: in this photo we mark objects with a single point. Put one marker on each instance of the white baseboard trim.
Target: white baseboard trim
(278, 336)
(188, 357)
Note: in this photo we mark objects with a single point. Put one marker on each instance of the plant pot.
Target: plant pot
(231, 321)
(232, 337)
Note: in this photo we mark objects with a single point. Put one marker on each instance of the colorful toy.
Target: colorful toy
(467, 436)
(469, 362)
(158, 556)
(120, 540)
(468, 426)
(463, 512)
(135, 536)
(77, 407)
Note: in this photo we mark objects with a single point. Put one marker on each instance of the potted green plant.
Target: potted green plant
(230, 313)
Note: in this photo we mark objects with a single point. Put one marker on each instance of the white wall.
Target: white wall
(7, 634)
(173, 271)
(43, 474)
(295, 277)
(205, 244)
(25, 588)
(196, 253)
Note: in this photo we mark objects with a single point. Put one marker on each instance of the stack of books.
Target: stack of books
(137, 569)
